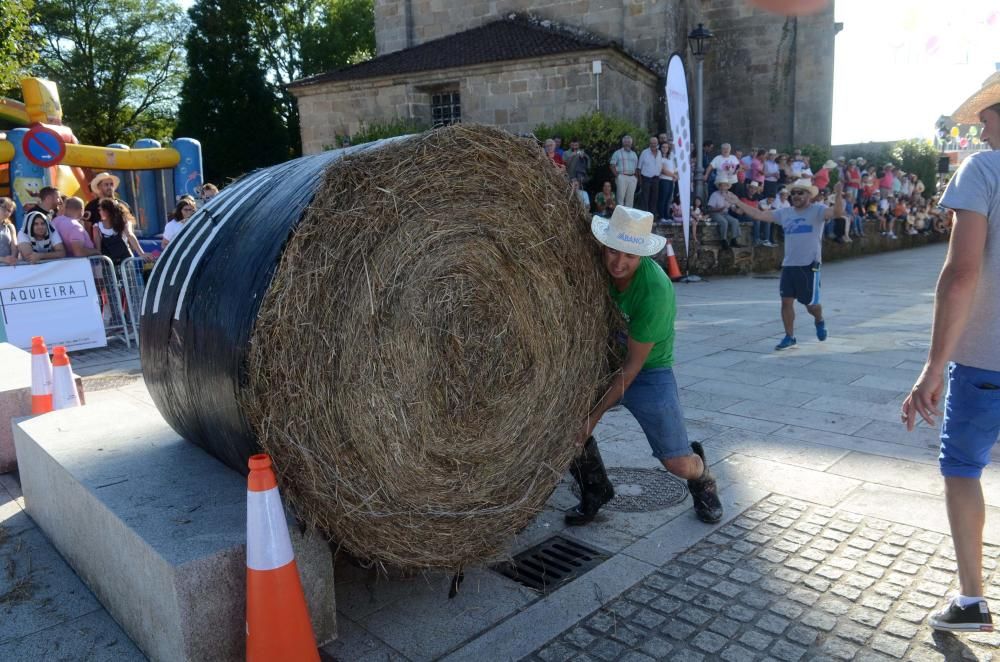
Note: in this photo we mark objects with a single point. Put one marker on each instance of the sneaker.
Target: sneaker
(974, 618)
(892, 235)
(786, 342)
(821, 331)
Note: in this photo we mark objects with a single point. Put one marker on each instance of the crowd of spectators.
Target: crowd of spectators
(59, 226)
(648, 180)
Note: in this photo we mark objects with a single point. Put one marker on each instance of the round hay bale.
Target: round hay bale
(426, 347)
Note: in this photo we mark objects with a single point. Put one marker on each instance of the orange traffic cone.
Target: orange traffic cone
(64, 394)
(41, 377)
(673, 270)
(278, 625)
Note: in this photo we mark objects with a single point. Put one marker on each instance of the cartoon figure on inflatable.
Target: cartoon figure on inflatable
(44, 152)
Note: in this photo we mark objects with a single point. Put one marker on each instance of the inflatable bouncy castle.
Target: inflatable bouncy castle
(42, 151)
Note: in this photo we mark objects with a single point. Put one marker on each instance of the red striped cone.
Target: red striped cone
(64, 394)
(41, 377)
(673, 269)
(278, 625)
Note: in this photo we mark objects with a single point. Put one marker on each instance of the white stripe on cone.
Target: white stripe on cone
(268, 544)
(670, 250)
(64, 394)
(41, 374)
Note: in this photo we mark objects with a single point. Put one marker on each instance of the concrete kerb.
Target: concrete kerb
(155, 527)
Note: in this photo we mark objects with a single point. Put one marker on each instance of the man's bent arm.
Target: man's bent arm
(753, 212)
(637, 354)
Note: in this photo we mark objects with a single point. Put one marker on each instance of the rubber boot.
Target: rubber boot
(595, 487)
(705, 492)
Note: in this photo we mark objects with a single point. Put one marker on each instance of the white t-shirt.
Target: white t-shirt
(718, 200)
(668, 162)
(173, 228)
(727, 166)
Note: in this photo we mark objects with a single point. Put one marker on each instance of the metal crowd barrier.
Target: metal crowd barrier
(112, 306)
(133, 283)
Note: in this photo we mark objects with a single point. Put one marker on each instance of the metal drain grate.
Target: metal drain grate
(551, 564)
(642, 490)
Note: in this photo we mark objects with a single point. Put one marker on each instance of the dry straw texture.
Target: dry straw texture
(434, 336)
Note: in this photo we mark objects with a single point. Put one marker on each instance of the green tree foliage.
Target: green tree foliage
(18, 45)
(118, 65)
(599, 135)
(917, 157)
(379, 130)
(299, 38)
(226, 101)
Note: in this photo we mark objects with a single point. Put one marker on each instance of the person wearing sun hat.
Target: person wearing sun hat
(964, 341)
(102, 185)
(803, 224)
(645, 385)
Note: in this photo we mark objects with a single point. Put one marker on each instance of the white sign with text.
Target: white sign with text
(56, 300)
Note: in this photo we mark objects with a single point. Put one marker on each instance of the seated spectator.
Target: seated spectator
(8, 233)
(208, 191)
(113, 236)
(762, 235)
(550, 151)
(604, 201)
(580, 193)
(719, 210)
(38, 240)
(676, 213)
(886, 207)
(857, 214)
(182, 212)
(70, 228)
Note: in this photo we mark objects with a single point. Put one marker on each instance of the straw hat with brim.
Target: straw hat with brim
(805, 185)
(629, 231)
(725, 179)
(988, 94)
(100, 177)
(830, 164)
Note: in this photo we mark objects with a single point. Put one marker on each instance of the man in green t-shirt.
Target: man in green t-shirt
(645, 385)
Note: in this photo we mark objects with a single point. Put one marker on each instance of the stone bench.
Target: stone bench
(155, 527)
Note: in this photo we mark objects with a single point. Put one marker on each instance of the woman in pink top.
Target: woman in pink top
(885, 183)
(757, 167)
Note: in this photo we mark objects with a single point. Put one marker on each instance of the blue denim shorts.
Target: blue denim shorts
(971, 421)
(653, 400)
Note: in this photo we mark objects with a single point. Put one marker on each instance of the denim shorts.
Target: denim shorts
(653, 400)
(971, 421)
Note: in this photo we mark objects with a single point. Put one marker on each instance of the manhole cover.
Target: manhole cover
(642, 490)
(105, 382)
(551, 564)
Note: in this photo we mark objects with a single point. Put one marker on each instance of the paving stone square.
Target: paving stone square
(795, 617)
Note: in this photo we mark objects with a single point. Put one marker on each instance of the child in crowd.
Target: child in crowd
(900, 212)
(75, 238)
(764, 204)
(885, 225)
(676, 213)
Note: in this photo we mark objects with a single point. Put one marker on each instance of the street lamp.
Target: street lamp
(698, 39)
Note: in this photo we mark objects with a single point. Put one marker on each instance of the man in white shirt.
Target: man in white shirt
(719, 211)
(650, 165)
(624, 163)
(725, 166)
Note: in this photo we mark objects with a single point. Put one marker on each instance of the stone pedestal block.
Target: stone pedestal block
(15, 398)
(155, 527)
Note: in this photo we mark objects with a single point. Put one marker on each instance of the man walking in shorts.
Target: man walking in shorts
(645, 386)
(965, 338)
(803, 225)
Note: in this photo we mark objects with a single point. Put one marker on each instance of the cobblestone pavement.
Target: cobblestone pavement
(788, 581)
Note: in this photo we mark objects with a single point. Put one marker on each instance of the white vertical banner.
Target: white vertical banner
(678, 111)
(55, 299)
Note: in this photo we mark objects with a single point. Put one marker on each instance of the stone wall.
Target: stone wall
(768, 79)
(652, 27)
(709, 258)
(516, 96)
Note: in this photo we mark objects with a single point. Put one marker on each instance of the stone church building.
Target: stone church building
(517, 64)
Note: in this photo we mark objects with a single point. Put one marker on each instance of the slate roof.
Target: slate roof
(505, 39)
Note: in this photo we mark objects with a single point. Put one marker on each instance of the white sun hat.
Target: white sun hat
(629, 231)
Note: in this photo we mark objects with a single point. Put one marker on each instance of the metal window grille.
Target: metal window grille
(446, 108)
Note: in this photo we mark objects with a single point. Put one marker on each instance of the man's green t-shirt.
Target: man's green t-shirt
(650, 308)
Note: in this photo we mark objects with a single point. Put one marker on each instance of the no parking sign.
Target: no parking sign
(43, 146)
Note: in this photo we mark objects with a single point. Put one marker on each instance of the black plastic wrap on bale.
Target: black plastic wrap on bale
(203, 297)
